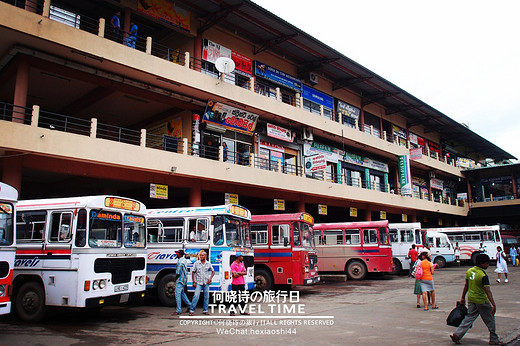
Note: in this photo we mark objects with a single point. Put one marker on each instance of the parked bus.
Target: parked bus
(285, 252)
(403, 235)
(474, 240)
(221, 231)
(81, 252)
(8, 199)
(354, 248)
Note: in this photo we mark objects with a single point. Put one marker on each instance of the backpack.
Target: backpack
(418, 271)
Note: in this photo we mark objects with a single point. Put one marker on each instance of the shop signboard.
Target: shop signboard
(158, 191)
(465, 163)
(242, 63)
(404, 217)
(436, 184)
(230, 117)
(348, 110)
(322, 209)
(353, 212)
(280, 133)
(317, 97)
(382, 215)
(405, 179)
(279, 204)
(315, 163)
(277, 76)
(230, 198)
(415, 153)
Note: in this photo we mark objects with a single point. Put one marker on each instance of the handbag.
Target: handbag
(418, 272)
(457, 315)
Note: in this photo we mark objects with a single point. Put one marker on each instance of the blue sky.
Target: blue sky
(461, 57)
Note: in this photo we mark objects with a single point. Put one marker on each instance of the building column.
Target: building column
(301, 204)
(197, 51)
(470, 194)
(515, 188)
(12, 170)
(195, 195)
(21, 88)
(368, 214)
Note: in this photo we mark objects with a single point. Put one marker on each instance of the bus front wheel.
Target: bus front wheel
(166, 290)
(396, 266)
(30, 302)
(263, 280)
(440, 261)
(356, 270)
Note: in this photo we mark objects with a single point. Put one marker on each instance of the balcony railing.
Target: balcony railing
(92, 128)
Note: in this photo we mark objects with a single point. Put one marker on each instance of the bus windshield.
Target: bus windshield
(307, 238)
(237, 231)
(105, 229)
(6, 224)
(135, 231)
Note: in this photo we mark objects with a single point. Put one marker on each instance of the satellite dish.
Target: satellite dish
(225, 65)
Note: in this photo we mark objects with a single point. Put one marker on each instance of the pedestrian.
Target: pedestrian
(481, 248)
(412, 258)
(238, 284)
(513, 253)
(501, 265)
(132, 36)
(201, 274)
(480, 301)
(225, 151)
(457, 253)
(426, 281)
(182, 280)
(116, 26)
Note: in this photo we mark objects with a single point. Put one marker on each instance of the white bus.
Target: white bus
(80, 252)
(474, 240)
(8, 198)
(221, 231)
(403, 235)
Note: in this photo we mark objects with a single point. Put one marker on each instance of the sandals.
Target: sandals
(205, 313)
(426, 309)
(497, 343)
(418, 306)
(191, 313)
(455, 339)
(435, 307)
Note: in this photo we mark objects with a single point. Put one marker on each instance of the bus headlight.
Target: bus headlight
(3, 290)
(95, 285)
(99, 284)
(139, 280)
(102, 284)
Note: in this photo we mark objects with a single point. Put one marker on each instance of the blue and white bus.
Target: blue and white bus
(221, 231)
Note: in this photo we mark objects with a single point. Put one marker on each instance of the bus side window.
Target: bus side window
(369, 236)
(259, 234)
(61, 227)
(30, 226)
(296, 234)
(352, 237)
(393, 235)
(81, 228)
(279, 233)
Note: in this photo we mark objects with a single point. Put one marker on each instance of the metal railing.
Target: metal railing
(35, 6)
(10, 112)
(118, 134)
(55, 121)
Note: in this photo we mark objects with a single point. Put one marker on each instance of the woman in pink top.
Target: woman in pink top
(427, 284)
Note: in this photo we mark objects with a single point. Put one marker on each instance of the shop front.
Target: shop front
(268, 79)
(277, 149)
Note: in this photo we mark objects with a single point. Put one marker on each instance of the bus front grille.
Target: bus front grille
(120, 268)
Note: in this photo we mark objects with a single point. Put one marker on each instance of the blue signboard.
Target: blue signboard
(317, 97)
(277, 76)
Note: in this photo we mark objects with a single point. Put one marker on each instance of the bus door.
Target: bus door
(280, 243)
(370, 242)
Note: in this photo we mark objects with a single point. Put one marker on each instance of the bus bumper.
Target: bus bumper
(114, 300)
(312, 281)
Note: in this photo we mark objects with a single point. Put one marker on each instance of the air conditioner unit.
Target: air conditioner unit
(307, 134)
(313, 78)
(214, 127)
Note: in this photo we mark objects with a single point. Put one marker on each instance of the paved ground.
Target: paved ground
(380, 310)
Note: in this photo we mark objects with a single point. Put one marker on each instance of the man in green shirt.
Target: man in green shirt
(480, 302)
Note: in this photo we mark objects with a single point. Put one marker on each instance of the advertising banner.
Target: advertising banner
(436, 184)
(158, 191)
(165, 11)
(211, 51)
(230, 117)
(315, 163)
(279, 204)
(322, 209)
(230, 198)
(416, 154)
(277, 76)
(317, 97)
(348, 110)
(405, 179)
(280, 133)
(353, 212)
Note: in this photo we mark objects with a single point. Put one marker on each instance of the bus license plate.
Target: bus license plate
(121, 288)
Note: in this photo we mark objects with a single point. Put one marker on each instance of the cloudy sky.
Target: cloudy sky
(462, 57)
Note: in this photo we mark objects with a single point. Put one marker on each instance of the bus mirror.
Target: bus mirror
(285, 241)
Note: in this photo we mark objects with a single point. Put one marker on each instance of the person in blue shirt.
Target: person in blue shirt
(513, 253)
(116, 26)
(132, 36)
(182, 280)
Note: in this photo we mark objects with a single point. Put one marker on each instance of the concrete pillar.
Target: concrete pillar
(187, 60)
(35, 116)
(46, 8)
(93, 128)
(195, 194)
(301, 204)
(143, 138)
(12, 170)
(20, 91)
(148, 49)
(101, 27)
(278, 95)
(197, 51)
(252, 83)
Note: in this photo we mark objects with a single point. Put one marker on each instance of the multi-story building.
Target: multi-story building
(213, 99)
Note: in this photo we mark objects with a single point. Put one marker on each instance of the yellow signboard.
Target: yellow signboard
(353, 212)
(322, 209)
(231, 198)
(279, 204)
(404, 217)
(158, 191)
(382, 215)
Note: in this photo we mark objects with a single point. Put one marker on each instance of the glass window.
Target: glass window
(394, 237)
(383, 236)
(218, 230)
(307, 238)
(296, 235)
(105, 229)
(165, 230)
(30, 225)
(488, 236)
(472, 237)
(333, 236)
(259, 234)
(81, 228)
(418, 238)
(279, 233)
(198, 230)
(407, 235)
(61, 227)
(237, 232)
(352, 236)
(6, 224)
(135, 231)
(370, 236)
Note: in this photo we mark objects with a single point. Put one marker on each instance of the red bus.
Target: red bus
(354, 248)
(285, 253)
